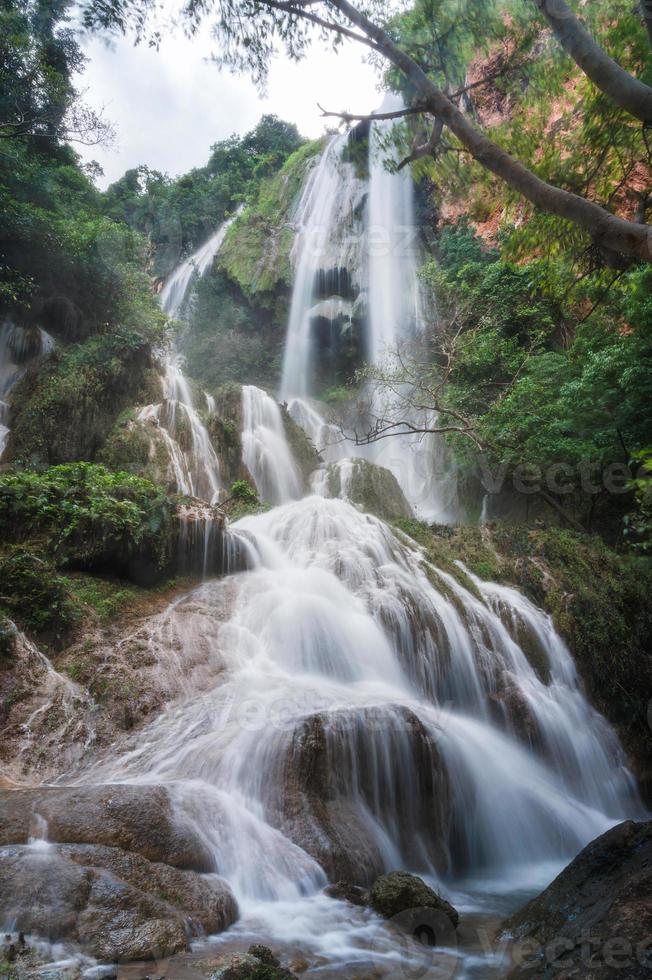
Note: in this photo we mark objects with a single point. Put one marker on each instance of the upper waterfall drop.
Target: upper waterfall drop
(329, 200)
(393, 250)
(177, 286)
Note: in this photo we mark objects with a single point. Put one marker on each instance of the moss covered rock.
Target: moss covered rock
(256, 251)
(64, 409)
(305, 454)
(374, 488)
(399, 892)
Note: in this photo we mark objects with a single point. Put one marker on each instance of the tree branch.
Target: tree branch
(622, 88)
(414, 110)
(609, 232)
(427, 149)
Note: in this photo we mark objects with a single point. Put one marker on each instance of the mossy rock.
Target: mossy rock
(63, 409)
(399, 892)
(303, 451)
(374, 488)
(256, 250)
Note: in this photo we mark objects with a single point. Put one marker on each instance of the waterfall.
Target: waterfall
(374, 712)
(328, 203)
(265, 450)
(194, 463)
(394, 307)
(177, 288)
(342, 266)
(417, 461)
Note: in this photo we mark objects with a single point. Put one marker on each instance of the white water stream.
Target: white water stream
(376, 713)
(194, 463)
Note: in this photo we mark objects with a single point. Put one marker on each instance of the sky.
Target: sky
(169, 106)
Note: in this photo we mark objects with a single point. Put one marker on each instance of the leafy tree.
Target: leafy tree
(177, 215)
(249, 33)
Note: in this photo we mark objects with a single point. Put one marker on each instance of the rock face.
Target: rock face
(134, 818)
(595, 920)
(372, 487)
(399, 892)
(116, 905)
(118, 874)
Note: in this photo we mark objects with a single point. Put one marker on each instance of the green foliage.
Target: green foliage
(242, 490)
(64, 410)
(32, 593)
(537, 393)
(638, 525)
(177, 215)
(86, 517)
(107, 598)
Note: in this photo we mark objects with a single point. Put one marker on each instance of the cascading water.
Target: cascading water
(265, 450)
(373, 713)
(360, 710)
(194, 463)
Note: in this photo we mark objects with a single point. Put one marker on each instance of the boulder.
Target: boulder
(328, 783)
(594, 921)
(374, 488)
(259, 963)
(135, 818)
(398, 892)
(118, 906)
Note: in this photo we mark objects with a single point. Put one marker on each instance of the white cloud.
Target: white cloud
(170, 106)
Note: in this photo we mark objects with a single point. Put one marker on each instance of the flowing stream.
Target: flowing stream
(374, 713)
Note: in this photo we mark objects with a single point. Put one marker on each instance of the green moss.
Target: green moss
(256, 251)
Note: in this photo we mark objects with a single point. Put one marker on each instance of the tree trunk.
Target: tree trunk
(622, 88)
(610, 233)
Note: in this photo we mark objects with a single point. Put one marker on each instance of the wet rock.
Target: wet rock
(374, 488)
(117, 906)
(344, 891)
(594, 921)
(261, 965)
(329, 781)
(399, 892)
(134, 818)
(264, 954)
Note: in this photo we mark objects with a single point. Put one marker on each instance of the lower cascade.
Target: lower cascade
(368, 712)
